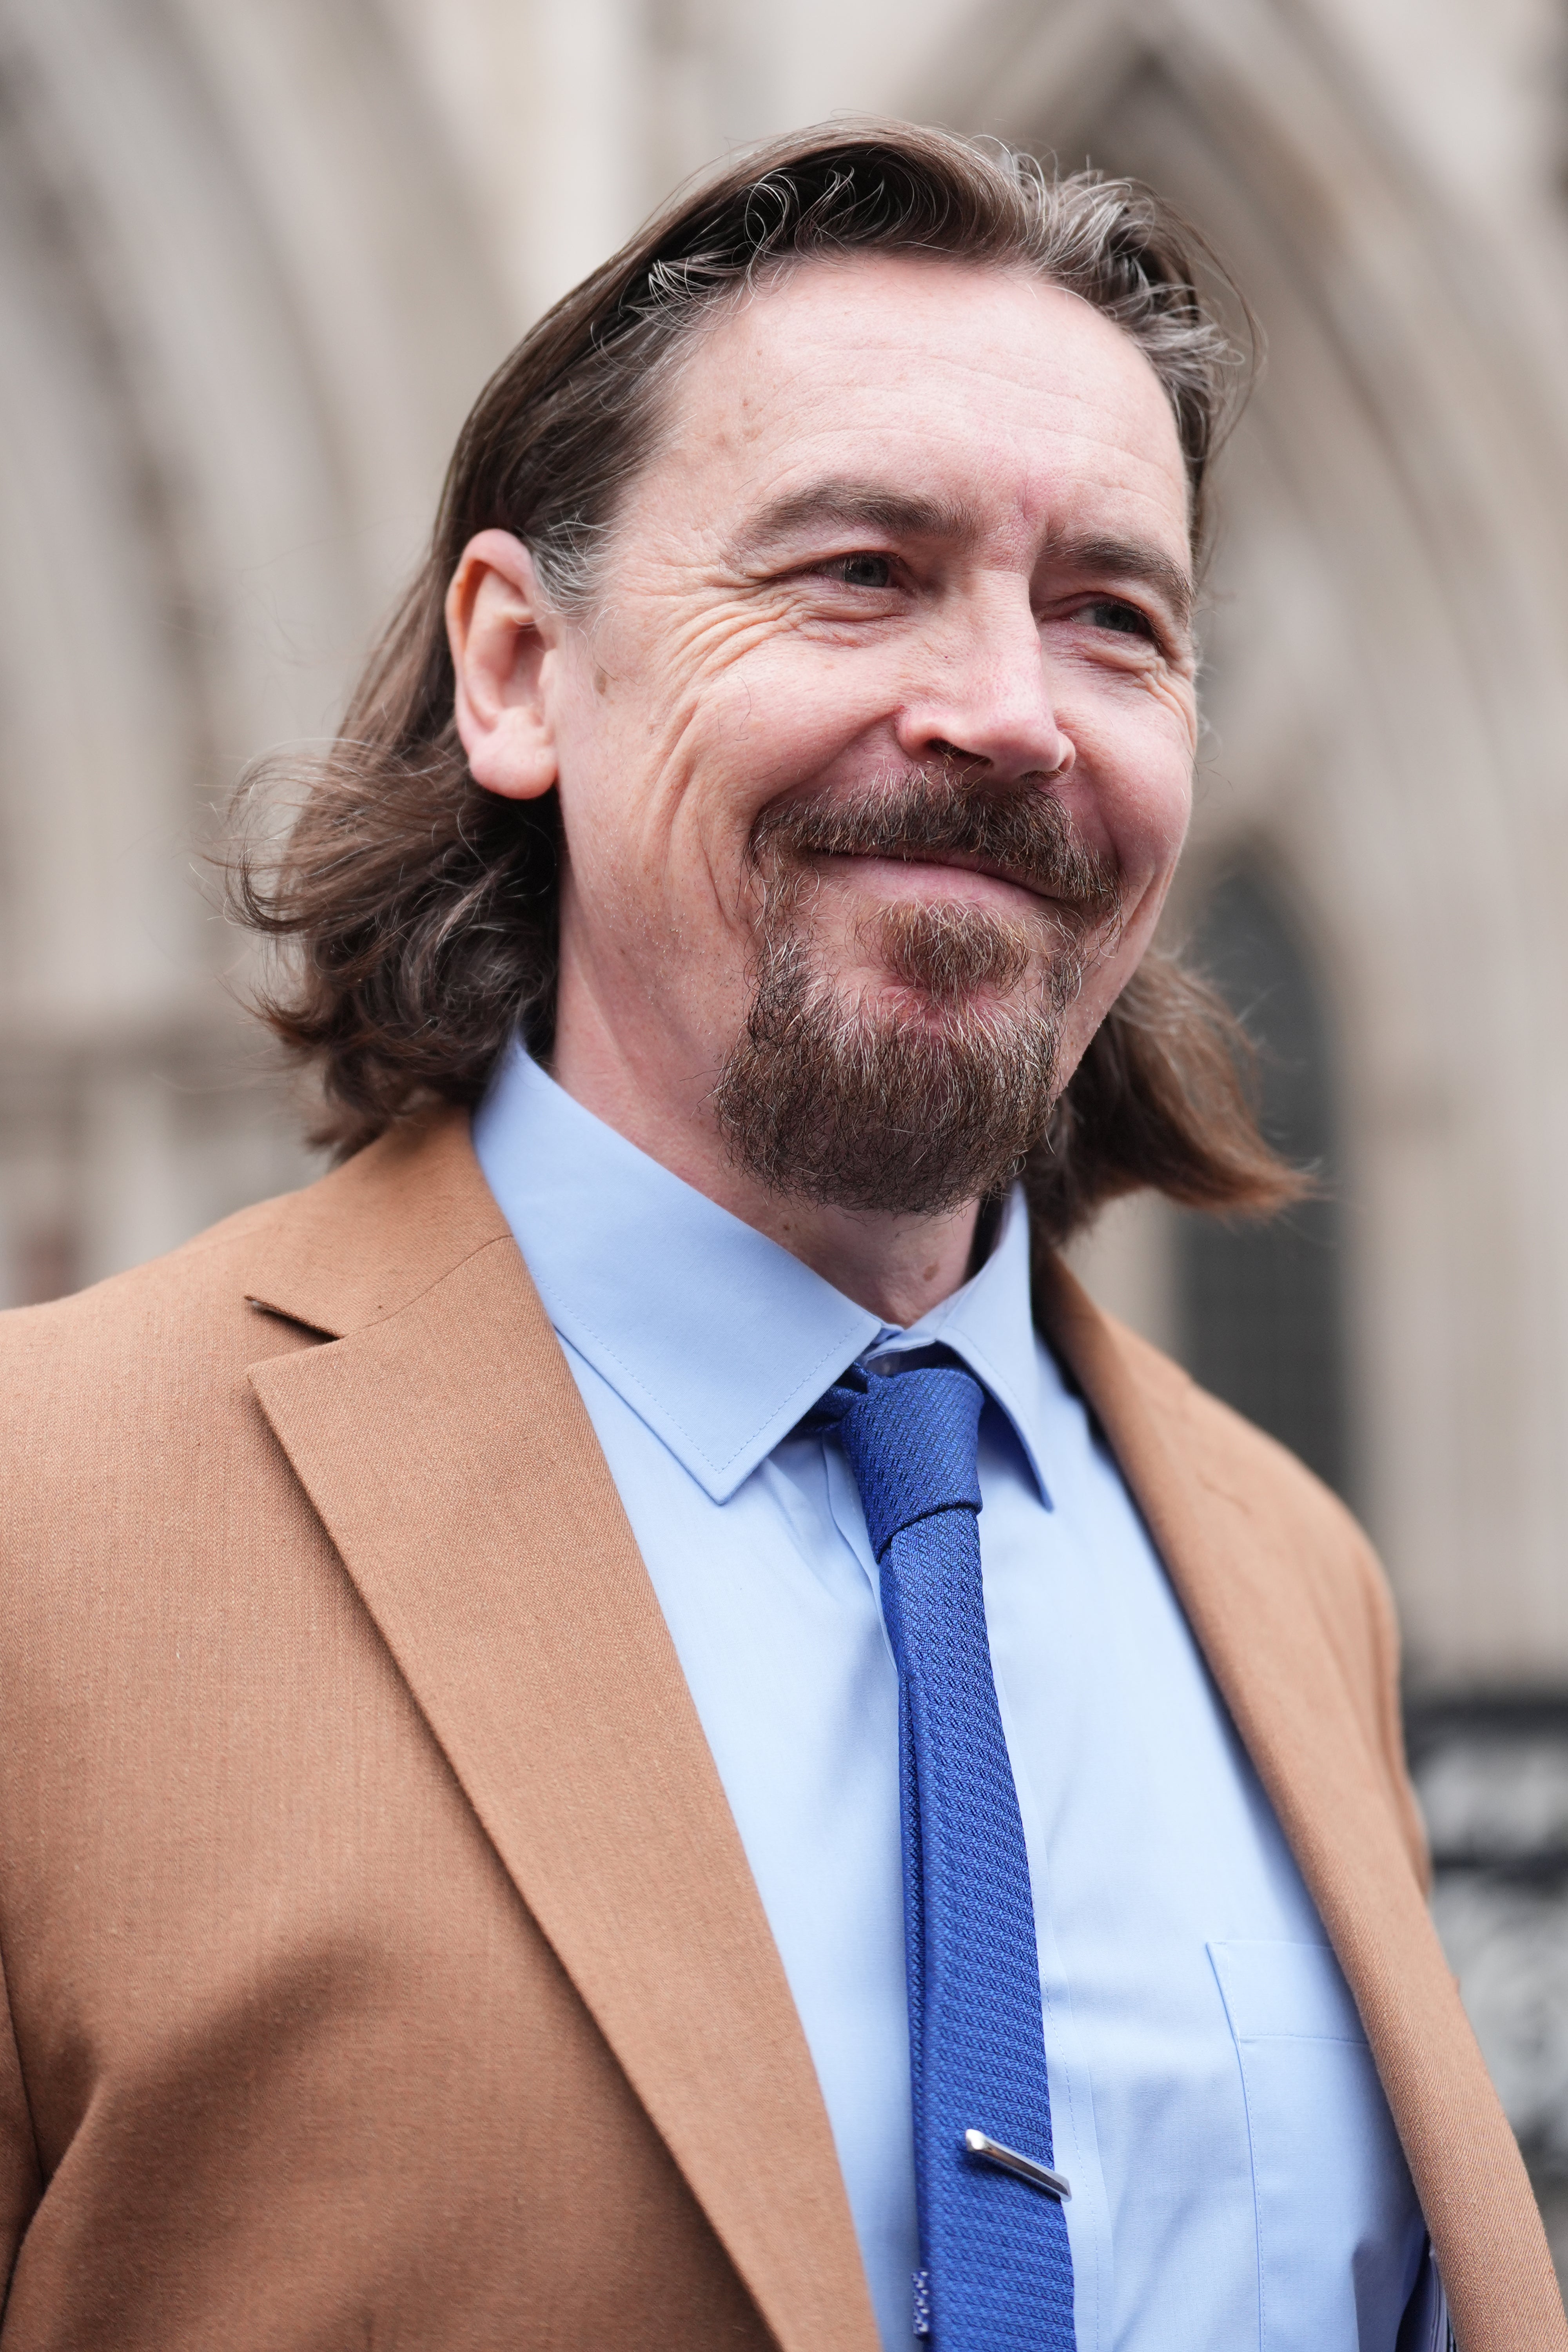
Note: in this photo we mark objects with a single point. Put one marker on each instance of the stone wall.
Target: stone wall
(256, 256)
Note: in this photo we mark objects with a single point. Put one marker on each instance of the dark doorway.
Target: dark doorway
(1261, 1306)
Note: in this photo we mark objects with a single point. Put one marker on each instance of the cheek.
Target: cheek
(600, 792)
(781, 715)
(727, 745)
(681, 702)
(1148, 825)
(1151, 825)
(1137, 764)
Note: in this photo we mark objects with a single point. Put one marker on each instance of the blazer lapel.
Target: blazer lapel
(1271, 1622)
(442, 1440)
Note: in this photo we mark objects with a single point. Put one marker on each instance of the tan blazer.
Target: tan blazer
(381, 1964)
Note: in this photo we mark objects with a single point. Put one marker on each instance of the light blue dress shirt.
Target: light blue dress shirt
(1237, 2181)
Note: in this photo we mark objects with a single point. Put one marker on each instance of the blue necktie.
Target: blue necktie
(997, 2272)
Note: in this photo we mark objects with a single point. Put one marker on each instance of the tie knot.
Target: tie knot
(912, 1441)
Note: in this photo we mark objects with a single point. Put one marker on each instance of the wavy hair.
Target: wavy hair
(417, 912)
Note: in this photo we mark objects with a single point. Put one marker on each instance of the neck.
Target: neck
(899, 1267)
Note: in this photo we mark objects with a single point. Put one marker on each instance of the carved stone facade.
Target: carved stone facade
(256, 254)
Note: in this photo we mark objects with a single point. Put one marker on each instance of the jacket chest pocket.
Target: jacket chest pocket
(1339, 2235)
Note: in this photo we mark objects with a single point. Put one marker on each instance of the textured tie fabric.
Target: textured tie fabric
(997, 2266)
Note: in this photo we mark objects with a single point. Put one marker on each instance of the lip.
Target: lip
(949, 863)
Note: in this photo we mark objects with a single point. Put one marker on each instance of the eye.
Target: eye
(862, 571)
(1123, 620)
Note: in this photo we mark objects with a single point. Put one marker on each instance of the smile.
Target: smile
(950, 875)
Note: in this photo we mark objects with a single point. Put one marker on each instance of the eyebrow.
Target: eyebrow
(1128, 559)
(863, 503)
(866, 505)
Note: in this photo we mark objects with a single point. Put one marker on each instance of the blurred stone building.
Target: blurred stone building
(256, 256)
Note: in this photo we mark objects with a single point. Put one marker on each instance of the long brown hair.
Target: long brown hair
(424, 908)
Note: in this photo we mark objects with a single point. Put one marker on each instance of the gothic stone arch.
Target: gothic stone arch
(1385, 698)
(245, 311)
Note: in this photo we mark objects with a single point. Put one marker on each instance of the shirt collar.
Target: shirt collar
(714, 1336)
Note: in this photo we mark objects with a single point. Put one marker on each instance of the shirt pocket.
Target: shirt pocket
(1340, 2233)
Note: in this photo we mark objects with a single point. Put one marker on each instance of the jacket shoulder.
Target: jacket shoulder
(1319, 1556)
(1231, 1453)
(143, 1359)
(143, 1381)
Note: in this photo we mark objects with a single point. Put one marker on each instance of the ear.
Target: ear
(503, 639)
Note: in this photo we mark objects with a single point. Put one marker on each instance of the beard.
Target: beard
(937, 1094)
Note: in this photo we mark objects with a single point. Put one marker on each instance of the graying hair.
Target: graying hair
(424, 910)
(1110, 241)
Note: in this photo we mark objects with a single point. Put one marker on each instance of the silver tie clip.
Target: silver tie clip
(1037, 2175)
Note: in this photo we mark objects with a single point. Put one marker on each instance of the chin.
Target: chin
(911, 1005)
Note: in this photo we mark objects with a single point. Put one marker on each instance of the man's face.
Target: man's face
(880, 738)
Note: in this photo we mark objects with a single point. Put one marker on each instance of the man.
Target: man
(611, 1738)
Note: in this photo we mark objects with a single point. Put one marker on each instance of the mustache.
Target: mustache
(910, 813)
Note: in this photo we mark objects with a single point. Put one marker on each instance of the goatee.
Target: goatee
(896, 1108)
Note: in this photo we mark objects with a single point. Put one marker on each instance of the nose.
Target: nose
(981, 691)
